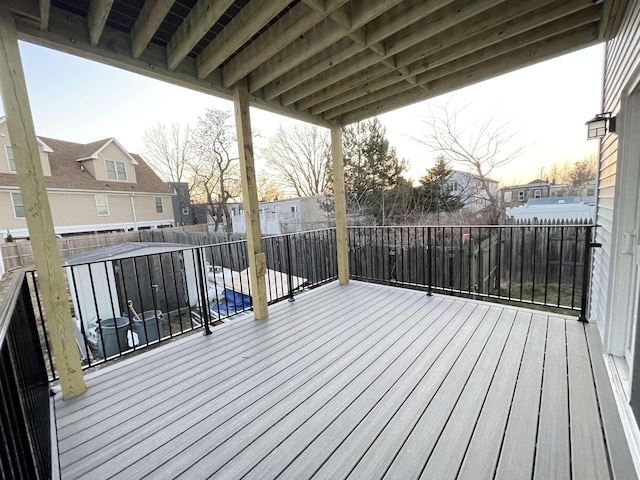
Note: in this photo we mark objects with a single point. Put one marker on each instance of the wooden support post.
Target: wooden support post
(340, 201)
(38, 213)
(257, 259)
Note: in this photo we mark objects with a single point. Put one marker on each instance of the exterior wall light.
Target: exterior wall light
(599, 125)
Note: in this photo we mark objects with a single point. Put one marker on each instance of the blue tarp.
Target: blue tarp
(234, 302)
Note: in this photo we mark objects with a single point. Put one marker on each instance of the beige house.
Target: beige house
(94, 187)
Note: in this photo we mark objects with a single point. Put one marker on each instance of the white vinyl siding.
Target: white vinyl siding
(622, 57)
(10, 160)
(115, 170)
(102, 205)
(18, 206)
(159, 207)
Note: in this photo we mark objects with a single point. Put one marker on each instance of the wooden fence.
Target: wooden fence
(19, 254)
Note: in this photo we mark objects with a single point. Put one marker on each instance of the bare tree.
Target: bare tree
(169, 150)
(215, 166)
(268, 188)
(479, 148)
(299, 157)
(576, 174)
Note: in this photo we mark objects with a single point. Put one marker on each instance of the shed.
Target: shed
(155, 276)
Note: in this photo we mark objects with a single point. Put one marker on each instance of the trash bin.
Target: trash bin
(149, 329)
(114, 335)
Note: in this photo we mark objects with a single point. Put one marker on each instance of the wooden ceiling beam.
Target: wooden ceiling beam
(198, 22)
(45, 6)
(278, 80)
(68, 33)
(97, 18)
(149, 20)
(440, 21)
(245, 24)
(587, 17)
(293, 24)
(318, 39)
(336, 53)
(459, 41)
(377, 83)
(378, 103)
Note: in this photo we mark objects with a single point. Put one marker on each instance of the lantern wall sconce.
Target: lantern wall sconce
(599, 125)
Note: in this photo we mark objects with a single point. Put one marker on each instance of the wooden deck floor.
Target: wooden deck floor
(362, 381)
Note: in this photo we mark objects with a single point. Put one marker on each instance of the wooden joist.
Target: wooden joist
(200, 19)
(315, 41)
(286, 30)
(151, 16)
(441, 20)
(45, 6)
(97, 18)
(236, 33)
(446, 62)
(388, 99)
(492, 26)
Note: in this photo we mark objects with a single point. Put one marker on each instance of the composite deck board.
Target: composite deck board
(230, 438)
(247, 373)
(481, 458)
(300, 452)
(588, 457)
(448, 454)
(553, 451)
(358, 381)
(214, 351)
(518, 445)
(334, 452)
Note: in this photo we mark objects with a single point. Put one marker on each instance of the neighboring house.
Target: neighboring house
(181, 203)
(285, 216)
(468, 187)
(555, 208)
(515, 195)
(93, 187)
(588, 189)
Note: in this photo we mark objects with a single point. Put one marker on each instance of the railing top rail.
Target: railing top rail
(326, 229)
(194, 247)
(476, 226)
(8, 300)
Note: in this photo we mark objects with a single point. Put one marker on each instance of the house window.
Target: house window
(10, 160)
(507, 196)
(18, 206)
(102, 205)
(453, 186)
(159, 208)
(293, 209)
(115, 170)
(521, 196)
(185, 210)
(537, 193)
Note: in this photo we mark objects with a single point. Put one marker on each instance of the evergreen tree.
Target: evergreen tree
(436, 191)
(371, 167)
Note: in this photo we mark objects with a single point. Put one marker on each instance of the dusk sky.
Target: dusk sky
(547, 105)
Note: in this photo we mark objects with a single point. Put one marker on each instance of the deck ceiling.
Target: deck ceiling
(321, 61)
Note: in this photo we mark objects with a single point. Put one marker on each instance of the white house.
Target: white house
(469, 188)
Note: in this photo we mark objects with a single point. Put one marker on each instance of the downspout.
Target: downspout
(133, 211)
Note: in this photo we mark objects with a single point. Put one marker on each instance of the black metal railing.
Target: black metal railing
(122, 303)
(25, 446)
(533, 264)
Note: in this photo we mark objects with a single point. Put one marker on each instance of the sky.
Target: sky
(545, 105)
